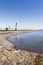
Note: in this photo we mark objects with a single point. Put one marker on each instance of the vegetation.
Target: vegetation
(6, 29)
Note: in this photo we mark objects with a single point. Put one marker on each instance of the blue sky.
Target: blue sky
(27, 13)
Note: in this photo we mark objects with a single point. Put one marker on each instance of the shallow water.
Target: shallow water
(29, 41)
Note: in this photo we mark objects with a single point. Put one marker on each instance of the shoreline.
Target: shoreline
(14, 44)
(9, 44)
(4, 42)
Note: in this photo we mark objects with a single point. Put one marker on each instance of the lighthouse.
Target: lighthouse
(16, 26)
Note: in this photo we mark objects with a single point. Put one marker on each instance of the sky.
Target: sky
(27, 13)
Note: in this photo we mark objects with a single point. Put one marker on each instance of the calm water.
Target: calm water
(29, 41)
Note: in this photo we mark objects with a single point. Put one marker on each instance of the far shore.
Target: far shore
(5, 34)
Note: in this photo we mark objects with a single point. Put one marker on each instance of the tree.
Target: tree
(6, 29)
